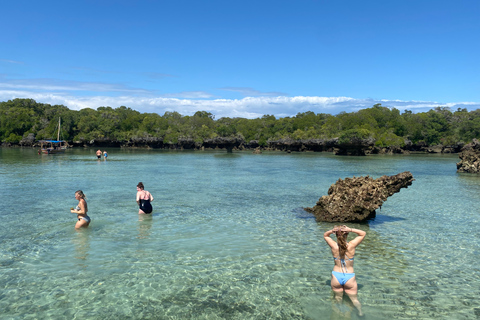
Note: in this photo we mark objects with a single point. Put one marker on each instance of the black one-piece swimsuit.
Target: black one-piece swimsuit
(146, 206)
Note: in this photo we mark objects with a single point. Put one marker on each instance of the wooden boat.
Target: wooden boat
(53, 146)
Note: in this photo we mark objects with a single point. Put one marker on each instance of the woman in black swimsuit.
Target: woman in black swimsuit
(143, 199)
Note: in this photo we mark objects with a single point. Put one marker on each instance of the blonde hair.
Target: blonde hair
(81, 194)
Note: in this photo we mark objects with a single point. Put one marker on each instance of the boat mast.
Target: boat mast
(58, 134)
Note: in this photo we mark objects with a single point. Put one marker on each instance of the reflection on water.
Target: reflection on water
(145, 222)
(229, 240)
(381, 218)
(81, 241)
(342, 310)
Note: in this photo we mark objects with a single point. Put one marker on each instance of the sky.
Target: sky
(242, 58)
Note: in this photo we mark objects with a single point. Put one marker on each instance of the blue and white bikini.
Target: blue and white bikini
(343, 276)
(85, 217)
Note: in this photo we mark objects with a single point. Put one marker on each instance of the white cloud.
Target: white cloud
(78, 95)
(189, 95)
(250, 92)
(66, 85)
(248, 107)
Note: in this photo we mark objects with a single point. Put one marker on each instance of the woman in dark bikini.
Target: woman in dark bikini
(81, 210)
(143, 199)
(343, 275)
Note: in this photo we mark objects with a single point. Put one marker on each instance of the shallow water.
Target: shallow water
(228, 238)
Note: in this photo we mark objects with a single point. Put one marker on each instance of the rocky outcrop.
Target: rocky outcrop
(317, 145)
(356, 199)
(28, 141)
(387, 150)
(354, 147)
(422, 146)
(470, 158)
(144, 142)
(228, 143)
(252, 144)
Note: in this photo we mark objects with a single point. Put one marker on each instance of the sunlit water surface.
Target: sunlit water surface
(228, 238)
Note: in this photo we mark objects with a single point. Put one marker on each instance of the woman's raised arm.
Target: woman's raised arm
(327, 238)
(360, 236)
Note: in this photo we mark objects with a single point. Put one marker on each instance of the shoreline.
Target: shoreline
(357, 151)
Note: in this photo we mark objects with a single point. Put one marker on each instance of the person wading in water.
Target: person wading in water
(343, 274)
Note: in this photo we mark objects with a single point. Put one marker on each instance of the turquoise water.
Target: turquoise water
(228, 238)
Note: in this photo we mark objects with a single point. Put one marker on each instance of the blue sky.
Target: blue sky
(242, 58)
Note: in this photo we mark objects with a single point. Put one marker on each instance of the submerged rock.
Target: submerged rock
(470, 158)
(356, 199)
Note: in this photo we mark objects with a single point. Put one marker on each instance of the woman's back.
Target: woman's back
(145, 195)
(343, 265)
(343, 275)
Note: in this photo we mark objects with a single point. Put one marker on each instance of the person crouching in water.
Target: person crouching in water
(81, 210)
(343, 274)
(143, 199)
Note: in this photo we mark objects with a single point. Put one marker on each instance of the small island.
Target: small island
(375, 130)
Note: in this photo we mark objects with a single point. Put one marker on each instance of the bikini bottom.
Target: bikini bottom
(343, 277)
(86, 218)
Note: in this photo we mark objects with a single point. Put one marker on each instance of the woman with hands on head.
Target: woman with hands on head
(343, 274)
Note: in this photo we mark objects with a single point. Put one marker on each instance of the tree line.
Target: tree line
(387, 126)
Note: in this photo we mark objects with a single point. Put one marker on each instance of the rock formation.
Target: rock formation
(470, 158)
(354, 147)
(28, 141)
(228, 143)
(303, 145)
(356, 199)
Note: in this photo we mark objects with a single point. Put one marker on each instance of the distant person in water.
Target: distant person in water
(143, 199)
(343, 275)
(81, 210)
(99, 154)
(105, 155)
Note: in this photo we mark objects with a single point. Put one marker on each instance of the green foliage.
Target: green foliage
(13, 138)
(387, 126)
(354, 135)
(309, 133)
(171, 136)
(389, 139)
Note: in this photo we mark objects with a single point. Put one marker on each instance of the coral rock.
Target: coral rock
(356, 199)
(470, 158)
